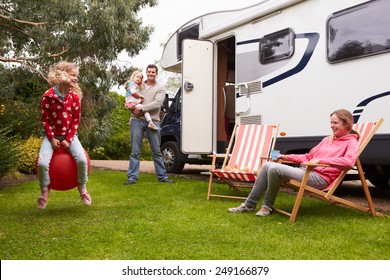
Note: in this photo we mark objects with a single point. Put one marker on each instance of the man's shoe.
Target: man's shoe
(166, 180)
(129, 182)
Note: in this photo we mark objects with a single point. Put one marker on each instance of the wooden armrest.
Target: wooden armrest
(286, 161)
(217, 155)
(214, 161)
(312, 164)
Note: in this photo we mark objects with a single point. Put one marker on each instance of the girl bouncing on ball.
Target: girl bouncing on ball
(61, 113)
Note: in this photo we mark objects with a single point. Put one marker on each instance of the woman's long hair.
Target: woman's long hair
(346, 117)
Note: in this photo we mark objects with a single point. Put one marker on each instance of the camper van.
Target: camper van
(286, 62)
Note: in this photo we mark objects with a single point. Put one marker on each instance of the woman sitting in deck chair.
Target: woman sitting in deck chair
(339, 149)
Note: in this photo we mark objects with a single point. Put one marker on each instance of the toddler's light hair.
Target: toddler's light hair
(136, 72)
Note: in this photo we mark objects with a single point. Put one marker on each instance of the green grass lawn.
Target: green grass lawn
(157, 221)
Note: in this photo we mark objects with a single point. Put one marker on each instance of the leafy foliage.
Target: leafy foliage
(20, 95)
(118, 145)
(9, 152)
(29, 150)
(90, 30)
(36, 34)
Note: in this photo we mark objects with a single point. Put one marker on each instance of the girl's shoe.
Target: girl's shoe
(86, 198)
(152, 126)
(42, 200)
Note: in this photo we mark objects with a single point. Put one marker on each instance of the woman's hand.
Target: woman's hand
(281, 156)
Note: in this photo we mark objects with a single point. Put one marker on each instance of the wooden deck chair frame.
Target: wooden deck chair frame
(366, 131)
(263, 144)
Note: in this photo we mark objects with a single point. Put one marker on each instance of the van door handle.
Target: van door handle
(188, 86)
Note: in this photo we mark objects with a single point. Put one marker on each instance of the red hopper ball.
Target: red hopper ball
(63, 170)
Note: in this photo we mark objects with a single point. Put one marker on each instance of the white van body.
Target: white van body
(290, 62)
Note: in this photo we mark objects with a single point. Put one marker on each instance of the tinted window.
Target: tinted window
(191, 32)
(277, 46)
(359, 31)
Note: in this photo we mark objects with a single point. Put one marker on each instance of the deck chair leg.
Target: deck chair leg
(214, 160)
(365, 189)
(210, 185)
(299, 196)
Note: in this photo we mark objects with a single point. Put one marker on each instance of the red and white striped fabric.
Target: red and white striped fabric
(364, 130)
(253, 145)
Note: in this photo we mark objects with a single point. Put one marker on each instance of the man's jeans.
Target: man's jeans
(137, 129)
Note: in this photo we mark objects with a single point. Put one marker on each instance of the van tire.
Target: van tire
(171, 155)
(380, 181)
(379, 176)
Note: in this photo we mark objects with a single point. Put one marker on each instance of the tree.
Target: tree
(34, 34)
(20, 92)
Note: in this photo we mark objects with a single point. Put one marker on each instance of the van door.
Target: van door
(197, 97)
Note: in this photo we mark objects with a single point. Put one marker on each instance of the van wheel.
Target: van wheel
(379, 176)
(171, 155)
(381, 181)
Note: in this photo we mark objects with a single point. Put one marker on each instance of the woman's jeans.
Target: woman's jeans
(271, 176)
(46, 153)
(137, 129)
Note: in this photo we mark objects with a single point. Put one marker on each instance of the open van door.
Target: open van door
(197, 97)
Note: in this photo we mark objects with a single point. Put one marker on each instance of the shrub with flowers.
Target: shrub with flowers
(29, 150)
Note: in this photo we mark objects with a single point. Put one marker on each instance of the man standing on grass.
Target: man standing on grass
(154, 94)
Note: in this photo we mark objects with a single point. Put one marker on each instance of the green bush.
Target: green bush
(98, 153)
(9, 153)
(29, 150)
(118, 146)
(22, 117)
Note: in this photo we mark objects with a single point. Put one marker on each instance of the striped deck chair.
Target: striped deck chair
(249, 147)
(366, 132)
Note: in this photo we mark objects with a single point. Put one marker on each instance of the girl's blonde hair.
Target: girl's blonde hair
(136, 72)
(58, 73)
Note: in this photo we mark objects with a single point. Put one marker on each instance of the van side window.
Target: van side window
(359, 31)
(277, 46)
(190, 32)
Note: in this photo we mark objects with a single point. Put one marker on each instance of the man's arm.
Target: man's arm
(154, 104)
